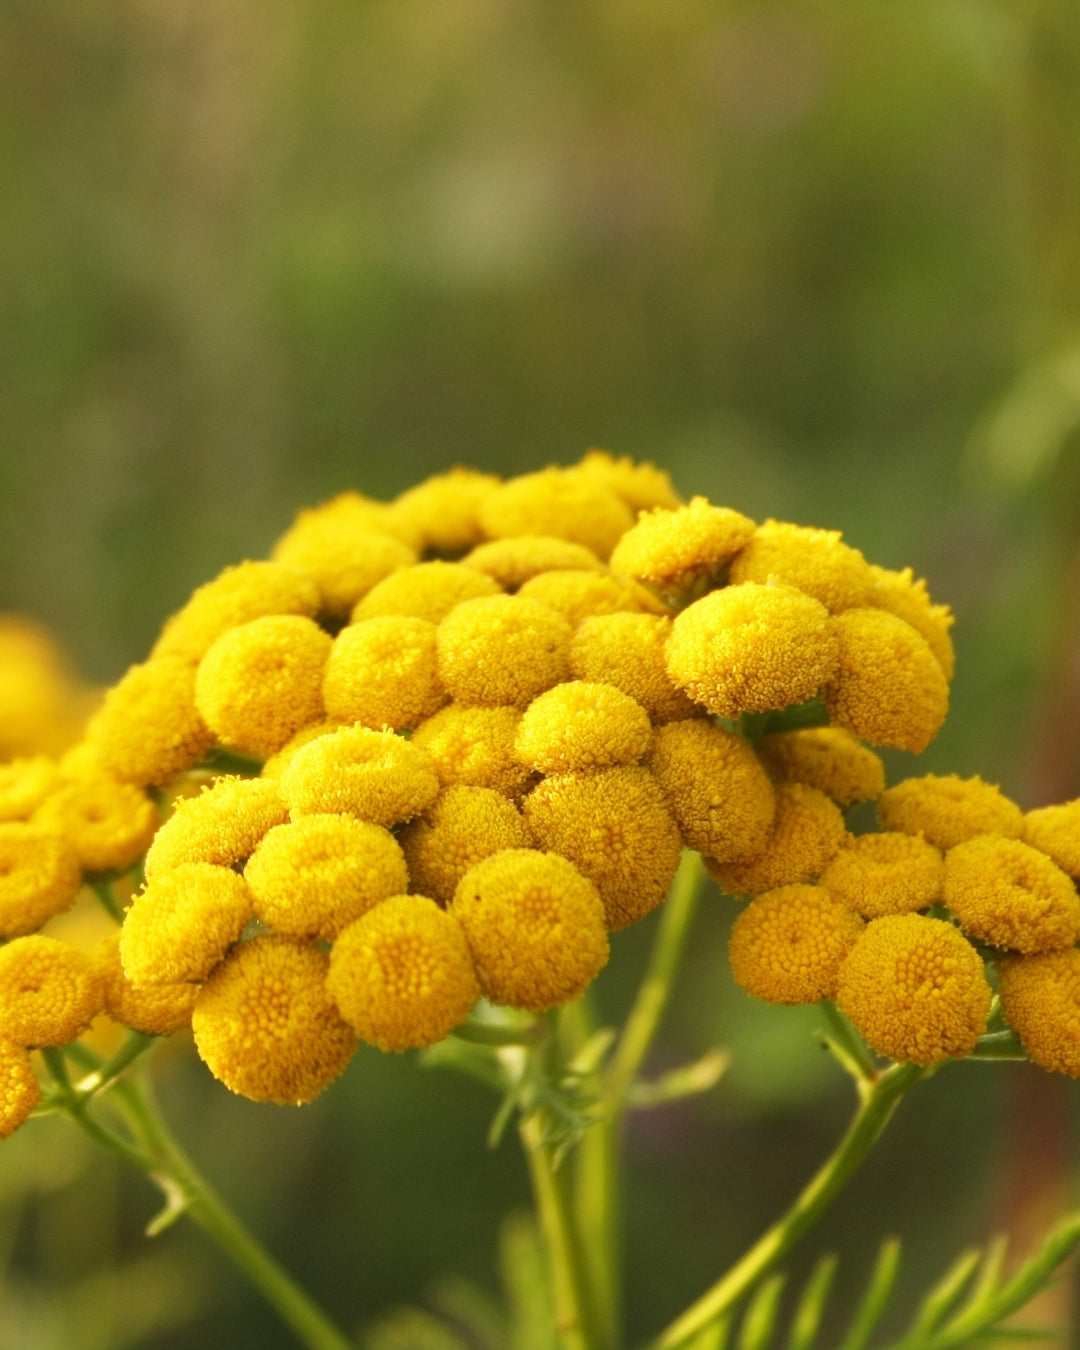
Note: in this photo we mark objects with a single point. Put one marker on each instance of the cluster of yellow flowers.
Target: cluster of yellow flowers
(471, 731)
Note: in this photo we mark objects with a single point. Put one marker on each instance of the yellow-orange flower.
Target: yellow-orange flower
(806, 834)
(1055, 831)
(20, 1090)
(383, 673)
(627, 650)
(816, 561)
(580, 725)
(677, 549)
(274, 767)
(947, 810)
(1008, 894)
(788, 944)
(908, 599)
(109, 824)
(641, 486)
(567, 503)
(153, 1009)
(577, 595)
(1040, 997)
(183, 923)
(428, 591)
(40, 877)
(475, 746)
(49, 991)
(442, 513)
(24, 785)
(463, 826)
(42, 703)
(502, 649)
(512, 562)
(375, 775)
(879, 874)
(148, 728)
(221, 825)
(828, 758)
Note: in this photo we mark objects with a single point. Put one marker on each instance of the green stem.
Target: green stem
(496, 1033)
(102, 888)
(103, 1076)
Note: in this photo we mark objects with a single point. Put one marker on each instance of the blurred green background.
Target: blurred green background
(819, 259)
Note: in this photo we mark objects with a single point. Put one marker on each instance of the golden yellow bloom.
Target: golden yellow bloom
(383, 673)
(567, 503)
(576, 594)
(42, 703)
(718, 792)
(428, 591)
(828, 758)
(807, 833)
(627, 650)
(947, 810)
(153, 1009)
(40, 876)
(908, 599)
(402, 975)
(183, 923)
(580, 725)
(260, 683)
(442, 512)
(1055, 831)
(250, 590)
(109, 824)
(915, 989)
(535, 927)
(750, 648)
(502, 649)
(221, 825)
(1040, 997)
(313, 876)
(24, 785)
(49, 992)
(1008, 894)
(20, 1091)
(816, 561)
(788, 944)
(680, 548)
(641, 486)
(475, 746)
(274, 767)
(374, 775)
(265, 1025)
(879, 874)
(513, 562)
(463, 826)
(615, 827)
(148, 729)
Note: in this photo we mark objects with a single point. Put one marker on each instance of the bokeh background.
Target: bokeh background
(817, 258)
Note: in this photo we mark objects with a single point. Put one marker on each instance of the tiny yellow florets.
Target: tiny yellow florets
(641, 486)
(502, 649)
(402, 976)
(880, 874)
(535, 927)
(475, 746)
(383, 673)
(888, 687)
(577, 595)
(153, 1009)
(908, 599)
(627, 650)
(513, 562)
(751, 648)
(828, 758)
(183, 923)
(463, 826)
(20, 1090)
(720, 796)
(806, 834)
(676, 549)
(1008, 894)
(567, 503)
(1055, 831)
(1040, 997)
(615, 827)
(109, 824)
(442, 513)
(915, 989)
(49, 991)
(265, 1025)
(275, 765)
(311, 877)
(374, 775)
(40, 877)
(428, 591)
(24, 785)
(816, 561)
(580, 725)
(221, 825)
(947, 810)
(787, 946)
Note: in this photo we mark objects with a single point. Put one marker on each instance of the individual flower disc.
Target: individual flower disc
(442, 512)
(787, 946)
(428, 591)
(49, 991)
(512, 562)
(1055, 831)
(274, 767)
(830, 759)
(502, 649)
(806, 834)
(402, 976)
(463, 826)
(183, 923)
(641, 486)
(383, 673)
(24, 785)
(947, 810)
(580, 725)
(915, 989)
(20, 1091)
(564, 502)
(1040, 997)
(578, 595)
(1008, 894)
(676, 548)
(908, 599)
(221, 825)
(109, 824)
(374, 775)
(878, 874)
(627, 650)
(153, 1009)
(475, 747)
(265, 1025)
(816, 561)
(40, 877)
(535, 927)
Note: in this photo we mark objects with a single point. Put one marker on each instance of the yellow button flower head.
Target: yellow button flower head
(374, 775)
(148, 729)
(109, 824)
(1040, 997)
(153, 1009)
(627, 650)
(42, 704)
(265, 1025)
(679, 549)
(183, 923)
(908, 599)
(383, 673)
(1008, 894)
(502, 649)
(442, 512)
(475, 746)
(313, 876)
(402, 975)
(428, 591)
(718, 792)
(879, 874)
(615, 827)
(274, 767)
(828, 758)
(221, 825)
(513, 562)
(577, 594)
(888, 687)
(20, 1091)
(947, 810)
(535, 927)
(641, 486)
(581, 725)
(250, 590)
(40, 877)
(49, 992)
(807, 833)
(915, 989)
(816, 561)
(788, 944)
(462, 827)
(1055, 831)
(568, 503)
(24, 785)
(750, 648)
(260, 683)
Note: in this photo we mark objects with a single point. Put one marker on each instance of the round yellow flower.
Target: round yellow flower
(880, 874)
(720, 796)
(641, 486)
(265, 1025)
(442, 512)
(816, 561)
(888, 687)
(24, 785)
(751, 648)
(567, 503)
(311, 877)
(20, 1090)
(615, 827)
(402, 975)
(1055, 831)
(153, 1009)
(627, 650)
(535, 927)
(428, 591)
(577, 595)
(183, 923)
(947, 810)
(274, 767)
(475, 747)
(581, 725)
(1040, 997)
(502, 649)
(787, 946)
(806, 834)
(42, 703)
(678, 549)
(1008, 894)
(40, 877)
(384, 673)
(374, 775)
(109, 824)
(463, 826)
(908, 599)
(221, 825)
(49, 991)
(513, 562)
(915, 989)
(828, 758)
